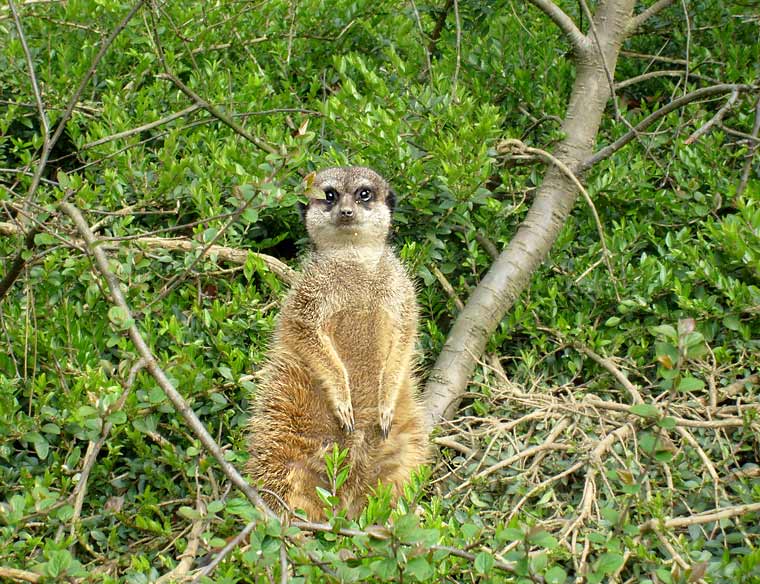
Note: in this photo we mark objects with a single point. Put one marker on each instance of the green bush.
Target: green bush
(349, 82)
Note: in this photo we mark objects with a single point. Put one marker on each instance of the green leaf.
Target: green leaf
(612, 321)
(667, 354)
(189, 512)
(665, 330)
(63, 180)
(44, 239)
(732, 322)
(690, 384)
(646, 410)
(483, 563)
(470, 531)
(59, 562)
(65, 513)
(608, 562)
(509, 534)
(407, 528)
(542, 539)
(242, 508)
(120, 317)
(555, 575)
(420, 569)
(385, 568)
(117, 418)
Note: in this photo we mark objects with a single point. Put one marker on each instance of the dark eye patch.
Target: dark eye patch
(331, 195)
(364, 194)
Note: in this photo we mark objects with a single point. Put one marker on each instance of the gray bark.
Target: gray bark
(511, 272)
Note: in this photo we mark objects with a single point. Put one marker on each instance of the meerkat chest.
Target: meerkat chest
(362, 337)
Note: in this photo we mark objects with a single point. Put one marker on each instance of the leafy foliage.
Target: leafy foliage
(350, 82)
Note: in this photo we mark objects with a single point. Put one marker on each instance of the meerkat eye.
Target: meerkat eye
(365, 194)
(331, 195)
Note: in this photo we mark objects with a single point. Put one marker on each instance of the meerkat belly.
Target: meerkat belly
(362, 341)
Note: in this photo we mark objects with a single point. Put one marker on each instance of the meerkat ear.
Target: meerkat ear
(390, 200)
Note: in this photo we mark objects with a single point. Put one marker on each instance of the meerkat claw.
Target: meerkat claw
(386, 421)
(345, 415)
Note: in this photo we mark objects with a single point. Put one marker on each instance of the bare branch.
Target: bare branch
(187, 557)
(18, 262)
(661, 59)
(700, 518)
(660, 73)
(32, 75)
(740, 386)
(94, 447)
(143, 128)
(577, 39)
(222, 117)
(227, 254)
(15, 574)
(714, 120)
(488, 245)
(510, 273)
(750, 155)
(642, 17)
(225, 551)
(447, 287)
(101, 261)
(632, 390)
(454, 445)
(418, 20)
(607, 72)
(517, 146)
(458, 64)
(702, 93)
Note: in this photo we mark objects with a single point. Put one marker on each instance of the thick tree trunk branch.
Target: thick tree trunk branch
(511, 272)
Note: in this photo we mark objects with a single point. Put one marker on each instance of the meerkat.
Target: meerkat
(340, 368)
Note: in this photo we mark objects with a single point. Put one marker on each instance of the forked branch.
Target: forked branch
(559, 17)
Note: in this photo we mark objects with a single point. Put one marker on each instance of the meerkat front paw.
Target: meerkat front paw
(345, 412)
(386, 420)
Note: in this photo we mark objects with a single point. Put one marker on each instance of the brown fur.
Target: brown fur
(340, 368)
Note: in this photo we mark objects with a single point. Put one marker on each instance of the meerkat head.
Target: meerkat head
(355, 211)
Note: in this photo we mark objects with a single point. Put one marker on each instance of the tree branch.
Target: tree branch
(101, 262)
(702, 93)
(700, 518)
(14, 270)
(642, 17)
(714, 120)
(577, 39)
(227, 254)
(32, 75)
(511, 272)
(222, 117)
